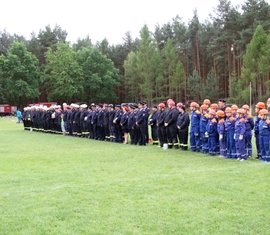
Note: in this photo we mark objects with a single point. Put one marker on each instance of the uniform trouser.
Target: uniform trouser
(107, 132)
(118, 134)
(230, 142)
(112, 132)
(257, 140)
(248, 138)
(171, 131)
(212, 143)
(194, 141)
(240, 148)
(142, 135)
(183, 139)
(162, 136)
(135, 135)
(222, 146)
(100, 133)
(204, 143)
(265, 147)
(154, 133)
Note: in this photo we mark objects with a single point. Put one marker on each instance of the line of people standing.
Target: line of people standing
(212, 128)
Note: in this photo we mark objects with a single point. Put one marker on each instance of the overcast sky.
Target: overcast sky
(99, 19)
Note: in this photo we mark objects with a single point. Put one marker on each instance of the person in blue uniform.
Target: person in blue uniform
(211, 132)
(264, 134)
(221, 133)
(140, 123)
(239, 135)
(229, 133)
(116, 121)
(259, 106)
(203, 123)
(195, 127)
(249, 128)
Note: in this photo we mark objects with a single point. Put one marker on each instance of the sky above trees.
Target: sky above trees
(99, 19)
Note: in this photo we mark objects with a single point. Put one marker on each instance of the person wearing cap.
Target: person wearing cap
(106, 122)
(264, 132)
(141, 122)
(84, 120)
(153, 124)
(211, 132)
(259, 106)
(133, 131)
(222, 104)
(239, 135)
(202, 126)
(92, 117)
(146, 117)
(162, 136)
(111, 112)
(195, 127)
(182, 124)
(100, 123)
(249, 128)
(116, 122)
(229, 133)
(170, 124)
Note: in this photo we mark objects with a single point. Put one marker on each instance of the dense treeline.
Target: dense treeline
(220, 57)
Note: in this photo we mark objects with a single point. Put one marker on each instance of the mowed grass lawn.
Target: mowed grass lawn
(52, 184)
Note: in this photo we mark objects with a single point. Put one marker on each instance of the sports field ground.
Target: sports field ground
(54, 184)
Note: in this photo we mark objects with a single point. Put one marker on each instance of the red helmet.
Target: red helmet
(260, 105)
(161, 105)
(220, 113)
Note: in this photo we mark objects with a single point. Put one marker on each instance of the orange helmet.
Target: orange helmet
(194, 104)
(212, 112)
(161, 105)
(260, 105)
(245, 106)
(234, 107)
(263, 112)
(228, 110)
(220, 113)
(242, 111)
(207, 102)
(204, 107)
(214, 106)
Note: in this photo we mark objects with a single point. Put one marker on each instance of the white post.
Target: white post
(250, 97)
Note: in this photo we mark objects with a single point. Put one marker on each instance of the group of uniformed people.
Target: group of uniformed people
(213, 128)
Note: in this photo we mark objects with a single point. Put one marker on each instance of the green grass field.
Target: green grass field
(53, 184)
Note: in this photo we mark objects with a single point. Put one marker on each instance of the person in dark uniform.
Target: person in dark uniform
(140, 123)
(111, 112)
(100, 123)
(153, 123)
(162, 136)
(170, 124)
(182, 126)
(106, 122)
(146, 117)
(83, 120)
(124, 123)
(221, 105)
(116, 122)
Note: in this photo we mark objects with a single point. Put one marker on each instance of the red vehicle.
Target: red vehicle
(6, 109)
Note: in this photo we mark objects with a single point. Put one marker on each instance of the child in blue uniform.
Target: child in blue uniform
(239, 134)
(203, 124)
(211, 132)
(229, 130)
(264, 132)
(249, 128)
(221, 133)
(195, 127)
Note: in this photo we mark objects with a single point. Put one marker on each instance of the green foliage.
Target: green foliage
(19, 75)
(64, 74)
(193, 86)
(99, 76)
